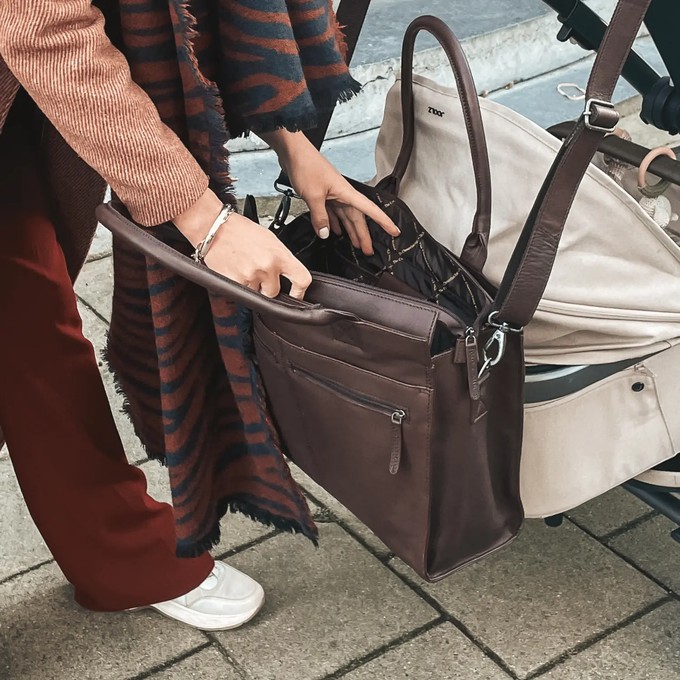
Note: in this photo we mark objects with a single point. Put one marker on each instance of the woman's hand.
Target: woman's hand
(333, 202)
(243, 251)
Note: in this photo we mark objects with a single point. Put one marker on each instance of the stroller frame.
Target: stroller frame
(660, 97)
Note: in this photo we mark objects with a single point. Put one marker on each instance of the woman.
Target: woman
(113, 543)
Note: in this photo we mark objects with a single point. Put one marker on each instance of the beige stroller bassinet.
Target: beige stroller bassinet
(604, 385)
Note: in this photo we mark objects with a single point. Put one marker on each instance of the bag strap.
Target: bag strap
(474, 252)
(532, 261)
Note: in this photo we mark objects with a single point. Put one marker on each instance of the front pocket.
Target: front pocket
(361, 436)
(397, 416)
(579, 446)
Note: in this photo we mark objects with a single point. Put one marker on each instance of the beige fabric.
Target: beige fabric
(58, 51)
(615, 290)
(582, 445)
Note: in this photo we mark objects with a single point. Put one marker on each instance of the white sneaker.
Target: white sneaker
(226, 599)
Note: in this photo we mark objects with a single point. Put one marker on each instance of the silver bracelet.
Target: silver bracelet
(204, 246)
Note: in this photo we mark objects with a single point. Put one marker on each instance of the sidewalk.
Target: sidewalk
(596, 598)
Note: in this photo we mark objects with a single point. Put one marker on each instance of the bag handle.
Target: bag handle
(284, 307)
(532, 261)
(474, 251)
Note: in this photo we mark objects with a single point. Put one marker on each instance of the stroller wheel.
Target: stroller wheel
(554, 521)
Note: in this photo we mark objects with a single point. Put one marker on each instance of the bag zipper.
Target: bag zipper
(472, 362)
(396, 415)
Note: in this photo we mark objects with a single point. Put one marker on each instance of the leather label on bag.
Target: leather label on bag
(460, 356)
(478, 408)
(472, 361)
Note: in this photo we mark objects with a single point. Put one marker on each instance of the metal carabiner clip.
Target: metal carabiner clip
(282, 211)
(499, 338)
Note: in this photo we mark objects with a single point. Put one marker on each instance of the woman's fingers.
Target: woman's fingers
(355, 221)
(319, 216)
(366, 207)
(348, 227)
(270, 287)
(336, 227)
(298, 275)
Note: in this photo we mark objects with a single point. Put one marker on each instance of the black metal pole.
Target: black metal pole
(583, 25)
(661, 500)
(663, 22)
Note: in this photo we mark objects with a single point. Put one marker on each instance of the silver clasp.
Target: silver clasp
(595, 110)
(498, 340)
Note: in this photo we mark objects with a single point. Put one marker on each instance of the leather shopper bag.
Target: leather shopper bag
(614, 293)
(402, 394)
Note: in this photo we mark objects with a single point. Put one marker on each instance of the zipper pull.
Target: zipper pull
(397, 418)
(472, 361)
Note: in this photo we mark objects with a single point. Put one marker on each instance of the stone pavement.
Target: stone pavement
(597, 598)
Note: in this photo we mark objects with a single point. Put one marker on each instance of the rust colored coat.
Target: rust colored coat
(103, 127)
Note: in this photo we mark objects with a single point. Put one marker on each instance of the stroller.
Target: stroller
(562, 468)
(661, 108)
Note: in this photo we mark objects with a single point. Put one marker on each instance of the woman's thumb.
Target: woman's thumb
(319, 216)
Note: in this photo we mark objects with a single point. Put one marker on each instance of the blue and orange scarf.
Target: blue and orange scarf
(182, 357)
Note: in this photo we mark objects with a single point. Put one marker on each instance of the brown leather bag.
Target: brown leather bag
(398, 384)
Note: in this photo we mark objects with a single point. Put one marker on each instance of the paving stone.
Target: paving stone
(95, 285)
(101, 246)
(95, 331)
(426, 657)
(325, 607)
(21, 546)
(340, 511)
(537, 599)
(652, 549)
(609, 512)
(648, 649)
(237, 529)
(208, 664)
(44, 635)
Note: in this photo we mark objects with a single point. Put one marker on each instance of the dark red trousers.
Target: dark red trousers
(112, 541)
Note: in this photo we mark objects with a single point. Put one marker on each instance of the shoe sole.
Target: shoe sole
(666, 479)
(205, 622)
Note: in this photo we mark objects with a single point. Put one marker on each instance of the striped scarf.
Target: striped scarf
(182, 357)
